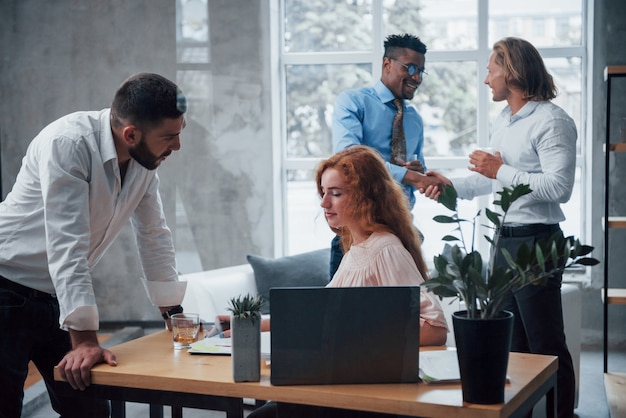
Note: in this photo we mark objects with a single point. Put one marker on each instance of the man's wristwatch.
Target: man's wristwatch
(174, 310)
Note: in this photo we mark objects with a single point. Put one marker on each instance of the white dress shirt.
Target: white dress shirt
(67, 207)
(538, 147)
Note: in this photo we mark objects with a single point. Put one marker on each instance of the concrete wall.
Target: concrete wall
(66, 55)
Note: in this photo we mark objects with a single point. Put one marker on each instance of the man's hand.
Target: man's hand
(428, 184)
(485, 163)
(433, 191)
(86, 352)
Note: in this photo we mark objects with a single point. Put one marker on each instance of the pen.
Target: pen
(212, 332)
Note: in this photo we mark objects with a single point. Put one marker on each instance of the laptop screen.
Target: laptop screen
(344, 335)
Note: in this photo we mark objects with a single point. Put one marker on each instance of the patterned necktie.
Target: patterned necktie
(398, 142)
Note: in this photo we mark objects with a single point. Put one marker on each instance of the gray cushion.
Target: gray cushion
(300, 270)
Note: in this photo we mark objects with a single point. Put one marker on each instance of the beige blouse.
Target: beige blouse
(382, 260)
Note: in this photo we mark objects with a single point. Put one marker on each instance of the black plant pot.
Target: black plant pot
(483, 347)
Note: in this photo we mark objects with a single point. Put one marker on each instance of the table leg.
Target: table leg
(156, 411)
(118, 409)
(551, 402)
(177, 411)
(547, 389)
(235, 411)
(156, 398)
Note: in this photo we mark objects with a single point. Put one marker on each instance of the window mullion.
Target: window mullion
(377, 37)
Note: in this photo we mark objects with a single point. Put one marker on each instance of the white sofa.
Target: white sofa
(208, 293)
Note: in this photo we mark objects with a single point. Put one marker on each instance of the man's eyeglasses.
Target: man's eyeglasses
(412, 69)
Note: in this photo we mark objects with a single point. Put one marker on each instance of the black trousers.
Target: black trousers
(538, 323)
(29, 331)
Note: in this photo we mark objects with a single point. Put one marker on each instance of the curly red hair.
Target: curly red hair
(376, 200)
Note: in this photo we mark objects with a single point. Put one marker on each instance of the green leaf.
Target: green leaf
(505, 200)
(584, 250)
(449, 238)
(448, 197)
(457, 255)
(519, 191)
(587, 261)
(555, 256)
(540, 259)
(461, 273)
(493, 217)
(508, 196)
(508, 258)
(440, 263)
(443, 219)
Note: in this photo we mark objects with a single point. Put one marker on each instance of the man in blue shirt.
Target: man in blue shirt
(365, 116)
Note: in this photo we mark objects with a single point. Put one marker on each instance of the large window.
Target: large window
(328, 46)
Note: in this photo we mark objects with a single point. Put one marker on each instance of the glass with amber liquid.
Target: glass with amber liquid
(185, 329)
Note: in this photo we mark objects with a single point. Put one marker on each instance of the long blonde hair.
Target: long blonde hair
(524, 69)
(376, 201)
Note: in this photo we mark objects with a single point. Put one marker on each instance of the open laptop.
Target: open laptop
(344, 335)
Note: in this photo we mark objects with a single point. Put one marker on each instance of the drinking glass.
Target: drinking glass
(185, 328)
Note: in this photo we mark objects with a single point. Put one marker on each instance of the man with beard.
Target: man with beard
(365, 116)
(83, 177)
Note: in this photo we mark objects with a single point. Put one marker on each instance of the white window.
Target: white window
(329, 45)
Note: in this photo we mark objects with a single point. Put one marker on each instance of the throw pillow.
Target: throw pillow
(300, 270)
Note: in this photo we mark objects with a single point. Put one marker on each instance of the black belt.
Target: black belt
(529, 230)
(27, 292)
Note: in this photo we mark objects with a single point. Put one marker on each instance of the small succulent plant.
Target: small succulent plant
(248, 306)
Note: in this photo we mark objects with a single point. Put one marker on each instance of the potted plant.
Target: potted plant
(245, 328)
(483, 331)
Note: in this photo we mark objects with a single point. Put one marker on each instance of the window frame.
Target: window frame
(479, 55)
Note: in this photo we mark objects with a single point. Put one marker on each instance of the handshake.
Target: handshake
(430, 184)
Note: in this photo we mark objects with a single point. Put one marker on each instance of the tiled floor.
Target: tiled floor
(592, 399)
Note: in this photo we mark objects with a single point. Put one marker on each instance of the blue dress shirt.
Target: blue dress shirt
(364, 116)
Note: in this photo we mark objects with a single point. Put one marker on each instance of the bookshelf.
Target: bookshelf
(614, 144)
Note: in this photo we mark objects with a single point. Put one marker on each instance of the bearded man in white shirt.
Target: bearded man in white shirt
(83, 177)
(535, 143)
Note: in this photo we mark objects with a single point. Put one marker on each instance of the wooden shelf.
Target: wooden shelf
(617, 221)
(616, 296)
(618, 147)
(615, 386)
(615, 383)
(614, 70)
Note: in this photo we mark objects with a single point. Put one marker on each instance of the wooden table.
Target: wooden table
(149, 370)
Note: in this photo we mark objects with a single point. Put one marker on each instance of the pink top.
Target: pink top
(382, 260)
